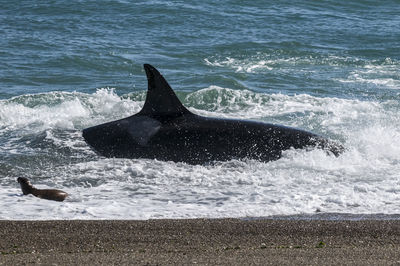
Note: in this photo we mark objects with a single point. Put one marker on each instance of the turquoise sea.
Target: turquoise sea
(329, 67)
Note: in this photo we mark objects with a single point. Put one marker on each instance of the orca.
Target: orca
(166, 130)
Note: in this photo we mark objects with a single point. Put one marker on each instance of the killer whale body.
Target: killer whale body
(165, 130)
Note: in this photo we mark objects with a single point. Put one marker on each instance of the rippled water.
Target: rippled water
(329, 69)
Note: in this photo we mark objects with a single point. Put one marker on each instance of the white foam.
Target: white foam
(360, 77)
(242, 66)
(379, 73)
(300, 182)
(383, 74)
(63, 110)
(260, 62)
(362, 180)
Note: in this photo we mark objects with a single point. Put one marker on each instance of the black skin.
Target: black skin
(165, 130)
(49, 194)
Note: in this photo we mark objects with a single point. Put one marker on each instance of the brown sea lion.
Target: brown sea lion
(49, 194)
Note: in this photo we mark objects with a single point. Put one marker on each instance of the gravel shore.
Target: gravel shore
(200, 241)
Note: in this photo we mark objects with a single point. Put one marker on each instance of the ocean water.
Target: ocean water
(333, 69)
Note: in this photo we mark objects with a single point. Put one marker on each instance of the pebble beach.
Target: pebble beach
(200, 241)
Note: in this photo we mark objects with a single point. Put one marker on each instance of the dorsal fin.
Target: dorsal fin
(160, 99)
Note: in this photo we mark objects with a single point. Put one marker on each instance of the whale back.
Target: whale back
(165, 130)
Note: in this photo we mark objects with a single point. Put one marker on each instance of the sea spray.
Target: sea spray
(362, 180)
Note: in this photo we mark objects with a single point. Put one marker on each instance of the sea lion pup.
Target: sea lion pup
(49, 194)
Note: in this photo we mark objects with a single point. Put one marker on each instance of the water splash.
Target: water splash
(43, 142)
